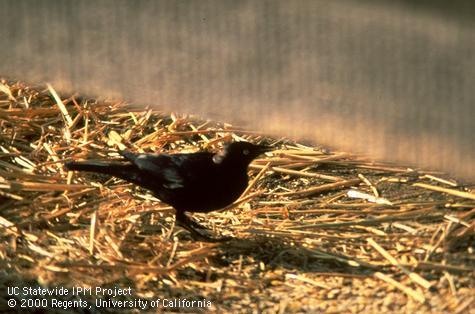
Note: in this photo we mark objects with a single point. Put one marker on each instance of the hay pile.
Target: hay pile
(316, 231)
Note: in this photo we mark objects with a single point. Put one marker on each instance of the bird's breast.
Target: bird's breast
(212, 193)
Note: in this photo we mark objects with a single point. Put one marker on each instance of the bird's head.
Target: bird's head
(240, 153)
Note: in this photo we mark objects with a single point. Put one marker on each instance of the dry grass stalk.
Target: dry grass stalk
(413, 276)
(298, 173)
(458, 193)
(301, 240)
(322, 188)
(410, 292)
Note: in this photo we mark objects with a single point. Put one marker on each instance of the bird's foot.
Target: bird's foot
(206, 238)
(191, 226)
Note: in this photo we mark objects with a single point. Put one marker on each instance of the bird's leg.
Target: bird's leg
(193, 223)
(184, 221)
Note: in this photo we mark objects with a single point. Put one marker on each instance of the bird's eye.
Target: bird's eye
(246, 152)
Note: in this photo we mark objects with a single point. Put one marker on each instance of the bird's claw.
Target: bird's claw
(206, 238)
(195, 234)
(191, 226)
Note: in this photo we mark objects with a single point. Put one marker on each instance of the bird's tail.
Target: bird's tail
(121, 170)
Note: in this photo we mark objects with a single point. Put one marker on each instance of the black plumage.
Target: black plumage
(194, 182)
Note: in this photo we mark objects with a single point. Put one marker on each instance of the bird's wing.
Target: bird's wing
(189, 169)
(162, 167)
(173, 171)
(128, 155)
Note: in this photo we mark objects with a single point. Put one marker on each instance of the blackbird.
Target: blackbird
(192, 182)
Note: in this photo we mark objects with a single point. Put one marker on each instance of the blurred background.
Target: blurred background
(389, 79)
